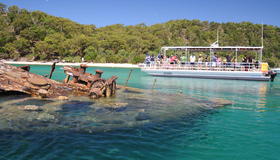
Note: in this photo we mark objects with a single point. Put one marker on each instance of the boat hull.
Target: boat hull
(232, 75)
(277, 70)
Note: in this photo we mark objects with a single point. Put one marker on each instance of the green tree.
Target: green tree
(90, 54)
(36, 34)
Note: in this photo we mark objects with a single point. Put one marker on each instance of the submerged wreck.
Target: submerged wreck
(131, 107)
(19, 79)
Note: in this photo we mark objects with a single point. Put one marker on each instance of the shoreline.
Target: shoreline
(112, 65)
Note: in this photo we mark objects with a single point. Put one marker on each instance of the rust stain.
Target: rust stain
(77, 82)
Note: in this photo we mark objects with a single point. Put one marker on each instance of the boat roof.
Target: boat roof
(213, 48)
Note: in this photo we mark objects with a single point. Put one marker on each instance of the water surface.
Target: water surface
(179, 125)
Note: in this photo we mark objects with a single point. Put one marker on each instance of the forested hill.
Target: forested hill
(39, 36)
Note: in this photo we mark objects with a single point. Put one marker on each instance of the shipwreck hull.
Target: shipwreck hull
(19, 79)
(129, 108)
(77, 111)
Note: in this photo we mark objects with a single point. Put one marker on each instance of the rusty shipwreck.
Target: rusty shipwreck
(76, 83)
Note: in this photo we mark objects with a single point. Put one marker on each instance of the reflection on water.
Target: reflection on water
(206, 87)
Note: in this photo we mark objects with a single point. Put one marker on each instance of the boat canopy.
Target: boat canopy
(210, 48)
(215, 48)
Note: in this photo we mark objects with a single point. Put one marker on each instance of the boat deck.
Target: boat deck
(208, 66)
(235, 71)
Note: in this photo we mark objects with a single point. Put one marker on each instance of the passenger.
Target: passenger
(147, 59)
(173, 59)
(206, 60)
(177, 61)
(161, 55)
(245, 59)
(219, 61)
(167, 60)
(192, 59)
(214, 60)
(245, 62)
(152, 60)
(200, 59)
(183, 59)
(224, 62)
(257, 64)
(250, 61)
(159, 58)
(228, 60)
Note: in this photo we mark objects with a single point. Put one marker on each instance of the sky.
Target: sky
(130, 12)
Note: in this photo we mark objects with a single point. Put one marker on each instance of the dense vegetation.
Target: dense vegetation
(39, 36)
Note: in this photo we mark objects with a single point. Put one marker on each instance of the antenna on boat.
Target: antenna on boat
(216, 44)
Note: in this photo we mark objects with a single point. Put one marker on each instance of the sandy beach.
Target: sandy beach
(113, 65)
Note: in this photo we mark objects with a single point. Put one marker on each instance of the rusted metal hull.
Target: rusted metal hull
(18, 79)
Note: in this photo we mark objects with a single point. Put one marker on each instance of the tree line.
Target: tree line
(38, 36)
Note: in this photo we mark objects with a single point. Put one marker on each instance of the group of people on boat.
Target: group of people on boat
(192, 60)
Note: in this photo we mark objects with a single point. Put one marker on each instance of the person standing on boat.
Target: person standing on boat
(250, 61)
(206, 60)
(152, 60)
(166, 61)
(245, 59)
(245, 62)
(160, 58)
(183, 59)
(147, 59)
(228, 60)
(214, 60)
(199, 60)
(219, 61)
(192, 59)
(173, 59)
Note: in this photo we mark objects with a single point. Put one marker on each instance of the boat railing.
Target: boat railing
(214, 66)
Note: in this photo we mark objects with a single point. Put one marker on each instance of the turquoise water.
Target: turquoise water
(247, 129)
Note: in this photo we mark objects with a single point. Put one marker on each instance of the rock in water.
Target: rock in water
(46, 117)
(219, 102)
(62, 98)
(142, 116)
(31, 108)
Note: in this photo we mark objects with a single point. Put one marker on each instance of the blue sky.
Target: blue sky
(131, 12)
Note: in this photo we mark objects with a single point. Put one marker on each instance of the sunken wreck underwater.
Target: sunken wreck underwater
(77, 104)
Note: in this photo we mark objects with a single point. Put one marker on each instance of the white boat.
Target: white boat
(277, 70)
(257, 71)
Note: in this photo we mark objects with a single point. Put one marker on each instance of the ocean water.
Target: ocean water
(180, 122)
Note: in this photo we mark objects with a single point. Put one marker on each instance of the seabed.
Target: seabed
(130, 107)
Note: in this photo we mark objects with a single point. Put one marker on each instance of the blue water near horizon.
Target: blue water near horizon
(247, 129)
